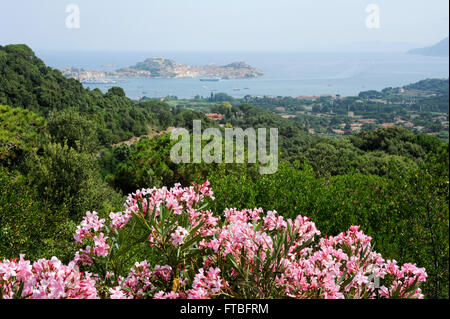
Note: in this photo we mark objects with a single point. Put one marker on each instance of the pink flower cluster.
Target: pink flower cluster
(151, 200)
(338, 267)
(345, 267)
(240, 233)
(91, 227)
(141, 281)
(178, 236)
(403, 278)
(177, 199)
(90, 222)
(44, 279)
(206, 285)
(148, 203)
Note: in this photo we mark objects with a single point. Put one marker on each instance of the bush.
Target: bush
(29, 225)
(61, 175)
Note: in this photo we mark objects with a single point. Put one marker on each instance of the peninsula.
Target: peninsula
(161, 67)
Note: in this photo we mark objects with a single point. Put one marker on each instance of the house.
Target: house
(214, 116)
(303, 97)
(378, 101)
(367, 121)
(408, 124)
(356, 127)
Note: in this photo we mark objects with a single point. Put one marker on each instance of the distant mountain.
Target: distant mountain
(439, 49)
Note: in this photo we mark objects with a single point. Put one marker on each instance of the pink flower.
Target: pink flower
(24, 269)
(46, 279)
(101, 247)
(164, 295)
(206, 285)
(178, 236)
(90, 222)
(117, 293)
(118, 220)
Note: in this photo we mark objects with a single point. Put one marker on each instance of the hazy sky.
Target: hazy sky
(235, 25)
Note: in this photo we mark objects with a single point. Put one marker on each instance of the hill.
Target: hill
(439, 49)
(166, 68)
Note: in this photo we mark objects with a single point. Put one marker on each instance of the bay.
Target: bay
(286, 73)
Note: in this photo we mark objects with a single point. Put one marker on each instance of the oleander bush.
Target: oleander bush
(195, 255)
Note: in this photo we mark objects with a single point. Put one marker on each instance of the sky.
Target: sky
(224, 25)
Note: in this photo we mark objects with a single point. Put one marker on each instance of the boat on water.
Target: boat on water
(210, 79)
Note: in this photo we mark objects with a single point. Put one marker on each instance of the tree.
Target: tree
(64, 176)
(20, 134)
(117, 91)
(69, 126)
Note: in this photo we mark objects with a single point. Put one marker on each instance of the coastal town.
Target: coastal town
(161, 67)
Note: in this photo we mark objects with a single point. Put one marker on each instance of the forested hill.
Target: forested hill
(436, 86)
(25, 81)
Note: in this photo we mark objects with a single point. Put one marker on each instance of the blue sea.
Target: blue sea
(285, 74)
